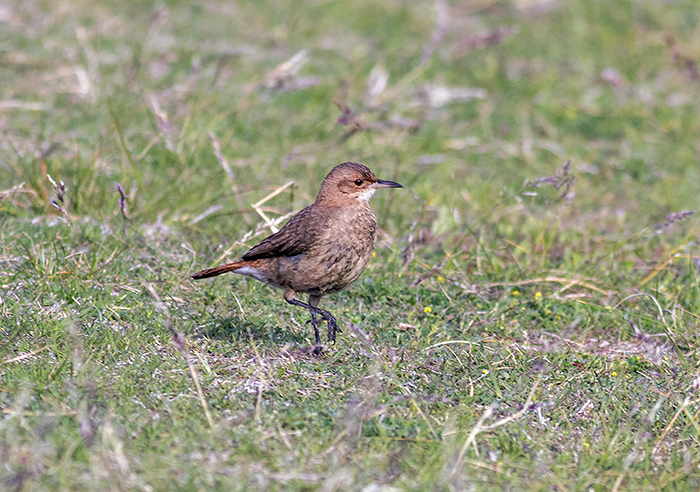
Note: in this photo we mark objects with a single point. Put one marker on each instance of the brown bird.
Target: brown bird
(322, 249)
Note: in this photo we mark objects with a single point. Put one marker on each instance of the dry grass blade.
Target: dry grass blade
(162, 121)
(180, 344)
(438, 96)
(442, 24)
(256, 206)
(479, 427)
(211, 210)
(661, 266)
(550, 280)
(252, 234)
(286, 71)
(448, 342)
(23, 356)
(670, 425)
(222, 160)
(26, 106)
(667, 329)
(376, 83)
(11, 192)
(484, 39)
(31, 413)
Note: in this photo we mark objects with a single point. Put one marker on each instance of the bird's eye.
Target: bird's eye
(358, 182)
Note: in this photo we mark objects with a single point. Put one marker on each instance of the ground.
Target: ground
(528, 321)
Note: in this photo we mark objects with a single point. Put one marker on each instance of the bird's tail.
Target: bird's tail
(213, 272)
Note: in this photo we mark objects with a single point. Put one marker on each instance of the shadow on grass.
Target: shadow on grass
(236, 329)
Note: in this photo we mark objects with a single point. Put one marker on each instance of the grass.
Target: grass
(526, 324)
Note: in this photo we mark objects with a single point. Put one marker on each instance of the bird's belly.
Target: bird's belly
(323, 274)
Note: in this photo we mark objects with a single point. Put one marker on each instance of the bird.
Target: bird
(322, 249)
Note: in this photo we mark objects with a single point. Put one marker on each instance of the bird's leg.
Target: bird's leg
(332, 325)
(314, 323)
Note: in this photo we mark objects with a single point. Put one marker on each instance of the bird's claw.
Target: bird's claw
(332, 329)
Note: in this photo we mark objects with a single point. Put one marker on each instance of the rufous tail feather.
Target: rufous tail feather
(213, 272)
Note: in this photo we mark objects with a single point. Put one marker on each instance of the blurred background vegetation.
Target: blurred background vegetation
(545, 244)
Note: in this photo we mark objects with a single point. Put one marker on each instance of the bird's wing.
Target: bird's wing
(293, 239)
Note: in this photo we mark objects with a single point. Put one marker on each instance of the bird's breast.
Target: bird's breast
(337, 257)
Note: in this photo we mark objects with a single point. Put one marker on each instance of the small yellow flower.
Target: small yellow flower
(586, 445)
(374, 254)
(538, 296)
(515, 292)
(441, 278)
(485, 371)
(427, 309)
(614, 374)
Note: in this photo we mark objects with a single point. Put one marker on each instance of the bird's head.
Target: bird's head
(352, 181)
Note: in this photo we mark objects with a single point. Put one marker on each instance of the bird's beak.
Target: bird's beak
(382, 183)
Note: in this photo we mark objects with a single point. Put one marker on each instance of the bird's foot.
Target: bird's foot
(313, 310)
(333, 327)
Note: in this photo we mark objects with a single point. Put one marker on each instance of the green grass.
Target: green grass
(523, 326)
